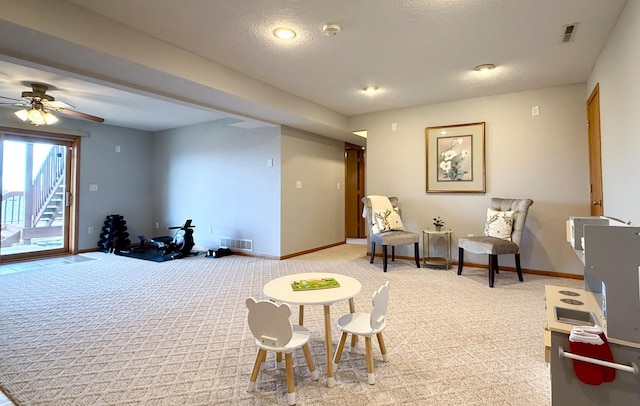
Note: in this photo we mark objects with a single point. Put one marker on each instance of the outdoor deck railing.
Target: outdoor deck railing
(12, 208)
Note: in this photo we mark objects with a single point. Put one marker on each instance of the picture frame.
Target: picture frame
(456, 158)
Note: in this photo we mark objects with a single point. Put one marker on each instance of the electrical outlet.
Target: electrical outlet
(298, 184)
(210, 230)
(93, 187)
(157, 225)
(90, 230)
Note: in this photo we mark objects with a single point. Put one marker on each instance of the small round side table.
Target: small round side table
(436, 262)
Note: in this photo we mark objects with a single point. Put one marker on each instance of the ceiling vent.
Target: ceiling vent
(569, 32)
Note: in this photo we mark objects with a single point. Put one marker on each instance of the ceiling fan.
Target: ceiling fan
(38, 106)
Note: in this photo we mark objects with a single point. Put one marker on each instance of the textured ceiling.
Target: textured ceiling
(416, 52)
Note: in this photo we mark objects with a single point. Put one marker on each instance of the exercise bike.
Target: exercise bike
(178, 246)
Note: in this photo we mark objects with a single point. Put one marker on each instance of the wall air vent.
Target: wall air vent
(236, 244)
(569, 32)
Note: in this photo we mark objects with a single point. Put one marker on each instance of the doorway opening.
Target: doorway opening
(38, 181)
(354, 191)
(596, 195)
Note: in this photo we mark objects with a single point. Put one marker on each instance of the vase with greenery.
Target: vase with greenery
(438, 222)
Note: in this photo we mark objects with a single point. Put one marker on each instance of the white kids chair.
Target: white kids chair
(269, 323)
(367, 325)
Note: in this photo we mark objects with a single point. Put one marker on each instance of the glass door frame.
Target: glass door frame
(72, 158)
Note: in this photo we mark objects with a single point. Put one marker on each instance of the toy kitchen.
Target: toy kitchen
(592, 338)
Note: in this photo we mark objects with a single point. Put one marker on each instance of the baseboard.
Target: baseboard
(295, 254)
(253, 255)
(313, 250)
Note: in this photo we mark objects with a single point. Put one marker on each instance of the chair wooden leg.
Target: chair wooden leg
(291, 385)
(416, 253)
(264, 359)
(496, 267)
(518, 268)
(373, 251)
(383, 348)
(460, 260)
(384, 257)
(492, 259)
(312, 366)
(371, 376)
(338, 355)
(393, 252)
(256, 369)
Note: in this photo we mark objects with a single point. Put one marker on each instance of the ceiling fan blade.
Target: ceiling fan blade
(12, 100)
(56, 104)
(78, 114)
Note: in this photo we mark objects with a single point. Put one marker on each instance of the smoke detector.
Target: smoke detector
(330, 30)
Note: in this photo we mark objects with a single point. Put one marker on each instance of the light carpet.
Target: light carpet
(121, 331)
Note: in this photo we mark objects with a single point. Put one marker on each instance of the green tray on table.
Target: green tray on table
(315, 284)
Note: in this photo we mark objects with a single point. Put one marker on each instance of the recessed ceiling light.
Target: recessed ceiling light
(484, 67)
(284, 33)
(370, 89)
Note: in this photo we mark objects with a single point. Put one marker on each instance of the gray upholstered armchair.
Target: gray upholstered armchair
(508, 241)
(387, 238)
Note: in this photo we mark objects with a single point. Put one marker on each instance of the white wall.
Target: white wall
(543, 157)
(122, 178)
(617, 73)
(217, 175)
(312, 216)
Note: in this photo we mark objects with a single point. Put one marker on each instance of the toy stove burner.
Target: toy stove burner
(569, 293)
(572, 301)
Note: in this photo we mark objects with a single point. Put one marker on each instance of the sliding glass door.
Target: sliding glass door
(36, 179)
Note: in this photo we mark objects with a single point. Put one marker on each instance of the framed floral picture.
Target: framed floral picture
(455, 158)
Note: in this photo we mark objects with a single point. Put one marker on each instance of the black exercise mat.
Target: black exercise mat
(147, 254)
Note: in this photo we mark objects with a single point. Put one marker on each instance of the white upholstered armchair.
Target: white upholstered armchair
(390, 237)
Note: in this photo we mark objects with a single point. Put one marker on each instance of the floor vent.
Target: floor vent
(236, 244)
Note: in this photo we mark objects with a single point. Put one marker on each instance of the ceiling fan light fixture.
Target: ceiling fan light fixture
(37, 116)
(39, 106)
(22, 114)
(370, 89)
(50, 118)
